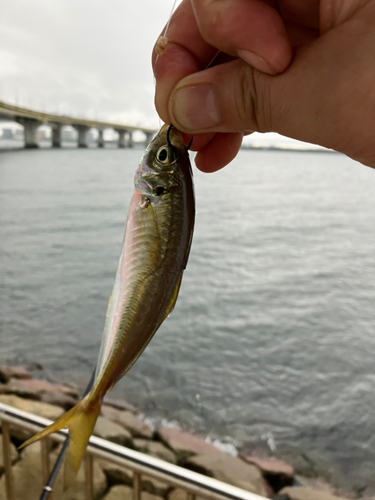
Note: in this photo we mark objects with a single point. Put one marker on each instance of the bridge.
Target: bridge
(31, 120)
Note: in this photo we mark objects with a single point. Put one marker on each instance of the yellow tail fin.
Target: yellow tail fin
(80, 421)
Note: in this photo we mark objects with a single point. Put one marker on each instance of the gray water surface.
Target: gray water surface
(274, 326)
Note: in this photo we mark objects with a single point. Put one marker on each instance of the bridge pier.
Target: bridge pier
(100, 138)
(31, 120)
(121, 138)
(56, 135)
(31, 128)
(82, 136)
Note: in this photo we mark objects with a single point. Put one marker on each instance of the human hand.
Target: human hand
(303, 69)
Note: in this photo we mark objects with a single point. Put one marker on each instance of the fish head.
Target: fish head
(159, 169)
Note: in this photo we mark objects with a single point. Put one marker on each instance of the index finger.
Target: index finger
(186, 53)
(250, 29)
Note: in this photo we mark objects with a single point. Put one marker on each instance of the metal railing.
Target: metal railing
(194, 484)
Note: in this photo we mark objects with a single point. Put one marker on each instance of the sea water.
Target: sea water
(272, 340)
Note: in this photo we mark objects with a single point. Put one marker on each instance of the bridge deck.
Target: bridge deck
(13, 112)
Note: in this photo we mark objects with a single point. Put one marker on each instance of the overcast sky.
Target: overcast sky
(84, 57)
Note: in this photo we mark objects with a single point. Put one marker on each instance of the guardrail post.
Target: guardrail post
(9, 486)
(44, 455)
(89, 477)
(137, 486)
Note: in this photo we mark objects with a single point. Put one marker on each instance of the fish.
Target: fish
(157, 241)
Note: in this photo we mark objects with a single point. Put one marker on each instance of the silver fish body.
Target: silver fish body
(156, 246)
(155, 251)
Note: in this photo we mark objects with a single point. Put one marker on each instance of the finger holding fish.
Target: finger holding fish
(252, 31)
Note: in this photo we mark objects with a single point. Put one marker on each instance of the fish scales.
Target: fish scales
(156, 247)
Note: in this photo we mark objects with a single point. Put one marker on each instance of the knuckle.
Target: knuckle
(212, 20)
(252, 103)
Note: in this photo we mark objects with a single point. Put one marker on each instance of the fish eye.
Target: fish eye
(163, 155)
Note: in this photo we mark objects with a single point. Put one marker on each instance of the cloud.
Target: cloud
(87, 57)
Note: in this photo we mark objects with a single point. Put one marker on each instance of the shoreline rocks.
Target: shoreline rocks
(276, 472)
(266, 476)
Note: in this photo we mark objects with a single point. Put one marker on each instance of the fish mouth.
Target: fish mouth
(171, 136)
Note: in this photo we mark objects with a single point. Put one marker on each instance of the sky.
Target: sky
(86, 58)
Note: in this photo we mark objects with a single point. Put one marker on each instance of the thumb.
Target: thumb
(318, 99)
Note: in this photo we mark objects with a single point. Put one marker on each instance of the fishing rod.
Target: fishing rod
(51, 480)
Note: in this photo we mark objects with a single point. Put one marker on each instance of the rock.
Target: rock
(150, 496)
(135, 426)
(35, 407)
(119, 404)
(314, 483)
(13, 454)
(126, 493)
(155, 449)
(19, 372)
(4, 378)
(117, 474)
(111, 431)
(59, 399)
(39, 386)
(119, 493)
(129, 421)
(35, 388)
(305, 493)
(319, 484)
(185, 444)
(277, 472)
(77, 490)
(154, 486)
(27, 474)
(180, 494)
(231, 470)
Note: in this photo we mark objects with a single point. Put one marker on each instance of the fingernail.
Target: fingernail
(256, 61)
(194, 108)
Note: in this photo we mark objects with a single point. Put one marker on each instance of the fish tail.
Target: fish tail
(80, 421)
